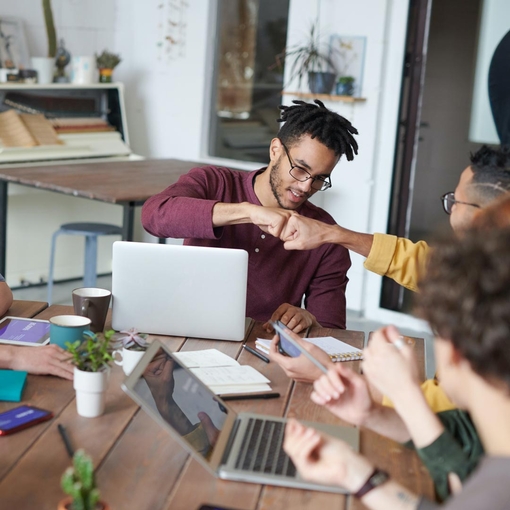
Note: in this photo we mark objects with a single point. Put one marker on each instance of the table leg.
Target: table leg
(3, 225)
(128, 221)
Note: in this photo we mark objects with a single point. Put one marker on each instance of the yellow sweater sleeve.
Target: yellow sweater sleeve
(398, 258)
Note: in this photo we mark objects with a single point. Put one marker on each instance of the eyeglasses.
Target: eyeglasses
(302, 175)
(449, 201)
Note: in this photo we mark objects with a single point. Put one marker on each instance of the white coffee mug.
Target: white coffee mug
(83, 70)
(128, 359)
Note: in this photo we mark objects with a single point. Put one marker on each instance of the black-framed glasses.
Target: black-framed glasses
(448, 200)
(302, 175)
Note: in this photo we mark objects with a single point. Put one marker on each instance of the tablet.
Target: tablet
(21, 331)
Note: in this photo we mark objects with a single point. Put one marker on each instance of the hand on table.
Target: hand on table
(301, 368)
(344, 393)
(390, 364)
(46, 360)
(295, 318)
(322, 459)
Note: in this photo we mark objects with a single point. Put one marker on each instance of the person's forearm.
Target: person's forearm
(5, 298)
(423, 424)
(354, 241)
(7, 355)
(385, 421)
(231, 214)
(390, 496)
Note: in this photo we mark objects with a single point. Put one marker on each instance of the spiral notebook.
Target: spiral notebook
(337, 350)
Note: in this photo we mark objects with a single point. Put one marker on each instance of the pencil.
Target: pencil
(65, 438)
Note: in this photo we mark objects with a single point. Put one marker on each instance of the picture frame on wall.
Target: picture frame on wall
(13, 44)
(347, 54)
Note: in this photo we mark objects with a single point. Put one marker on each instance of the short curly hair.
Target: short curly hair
(330, 128)
(465, 297)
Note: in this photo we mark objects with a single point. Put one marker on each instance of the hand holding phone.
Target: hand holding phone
(289, 347)
(21, 418)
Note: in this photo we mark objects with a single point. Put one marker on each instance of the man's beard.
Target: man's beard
(275, 182)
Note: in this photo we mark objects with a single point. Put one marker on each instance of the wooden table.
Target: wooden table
(139, 466)
(126, 183)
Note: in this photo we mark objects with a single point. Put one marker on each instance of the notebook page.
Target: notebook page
(242, 376)
(205, 358)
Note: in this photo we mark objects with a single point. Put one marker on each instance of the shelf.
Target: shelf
(325, 97)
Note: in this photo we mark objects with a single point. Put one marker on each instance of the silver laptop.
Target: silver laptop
(179, 290)
(234, 446)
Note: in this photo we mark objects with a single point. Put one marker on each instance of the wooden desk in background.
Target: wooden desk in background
(139, 466)
(125, 183)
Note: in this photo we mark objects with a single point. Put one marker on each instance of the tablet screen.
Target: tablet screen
(24, 331)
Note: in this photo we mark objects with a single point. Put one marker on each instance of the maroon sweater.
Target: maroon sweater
(275, 275)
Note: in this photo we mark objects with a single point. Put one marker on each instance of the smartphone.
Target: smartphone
(289, 347)
(21, 418)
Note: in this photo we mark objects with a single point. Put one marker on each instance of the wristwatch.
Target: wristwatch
(378, 477)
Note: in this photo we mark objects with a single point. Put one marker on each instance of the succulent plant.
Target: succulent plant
(131, 339)
(79, 482)
(107, 60)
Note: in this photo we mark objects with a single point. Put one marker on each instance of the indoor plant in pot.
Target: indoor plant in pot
(311, 59)
(91, 359)
(45, 66)
(106, 63)
(79, 483)
(345, 86)
(130, 345)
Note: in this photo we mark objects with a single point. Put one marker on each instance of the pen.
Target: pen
(65, 438)
(256, 353)
(248, 396)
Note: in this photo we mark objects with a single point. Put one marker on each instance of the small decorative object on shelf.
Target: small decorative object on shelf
(106, 63)
(345, 86)
(63, 58)
(79, 483)
(311, 59)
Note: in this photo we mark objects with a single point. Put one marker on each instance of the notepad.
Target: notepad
(12, 383)
(337, 350)
(222, 373)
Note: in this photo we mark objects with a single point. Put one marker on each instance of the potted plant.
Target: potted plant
(91, 358)
(79, 483)
(45, 66)
(311, 60)
(130, 345)
(345, 86)
(106, 63)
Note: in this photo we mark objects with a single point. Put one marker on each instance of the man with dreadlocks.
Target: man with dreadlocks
(215, 206)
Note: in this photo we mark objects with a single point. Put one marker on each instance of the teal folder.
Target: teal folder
(12, 383)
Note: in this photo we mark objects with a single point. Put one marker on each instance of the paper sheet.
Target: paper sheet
(205, 358)
(240, 376)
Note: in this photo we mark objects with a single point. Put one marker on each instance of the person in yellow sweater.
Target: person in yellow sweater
(486, 179)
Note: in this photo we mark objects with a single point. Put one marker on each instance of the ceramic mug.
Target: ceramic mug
(128, 359)
(67, 328)
(93, 303)
(83, 70)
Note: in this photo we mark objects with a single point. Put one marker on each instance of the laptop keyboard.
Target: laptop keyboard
(262, 450)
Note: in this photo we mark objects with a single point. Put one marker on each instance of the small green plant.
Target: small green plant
(107, 60)
(79, 482)
(311, 56)
(93, 353)
(345, 80)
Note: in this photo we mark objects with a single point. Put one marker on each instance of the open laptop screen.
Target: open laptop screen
(184, 402)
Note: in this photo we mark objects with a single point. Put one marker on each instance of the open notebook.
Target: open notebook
(337, 350)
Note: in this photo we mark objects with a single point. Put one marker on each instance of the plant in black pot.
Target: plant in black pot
(312, 59)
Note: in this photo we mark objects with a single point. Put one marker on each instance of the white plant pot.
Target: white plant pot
(90, 392)
(45, 68)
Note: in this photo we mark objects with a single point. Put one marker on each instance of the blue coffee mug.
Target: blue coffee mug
(68, 328)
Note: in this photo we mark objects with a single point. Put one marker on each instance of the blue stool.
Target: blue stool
(91, 231)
